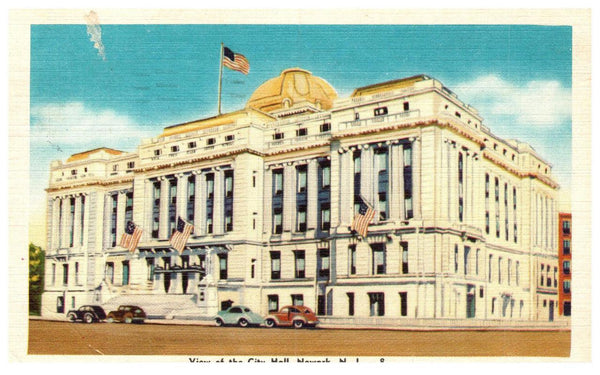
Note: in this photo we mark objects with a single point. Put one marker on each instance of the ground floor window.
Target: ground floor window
(297, 300)
(350, 304)
(273, 302)
(567, 308)
(403, 304)
(60, 304)
(377, 304)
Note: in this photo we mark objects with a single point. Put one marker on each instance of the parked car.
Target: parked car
(127, 314)
(240, 315)
(87, 314)
(296, 316)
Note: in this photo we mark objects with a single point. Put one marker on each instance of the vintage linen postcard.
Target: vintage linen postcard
(299, 186)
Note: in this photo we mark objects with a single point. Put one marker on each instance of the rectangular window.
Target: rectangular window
(377, 304)
(325, 217)
(278, 135)
(301, 132)
(490, 261)
(566, 227)
(325, 127)
(191, 197)
(403, 304)
(275, 265)
(277, 221)
(191, 144)
(477, 262)
(542, 275)
(125, 280)
(301, 218)
(555, 278)
(460, 187)
(497, 200)
(278, 182)
(273, 302)
(567, 308)
(76, 273)
(566, 286)
(228, 184)
(499, 270)
(455, 258)
(174, 148)
(301, 178)
(350, 304)
(297, 299)
(222, 266)
(517, 275)
(325, 175)
(130, 164)
(509, 275)
(113, 221)
(352, 259)
(149, 269)
(300, 264)
(65, 274)
(229, 138)
(404, 246)
(381, 111)
(466, 265)
(157, 152)
(323, 263)
(406, 106)
(566, 247)
(211, 141)
(407, 155)
(378, 259)
(53, 273)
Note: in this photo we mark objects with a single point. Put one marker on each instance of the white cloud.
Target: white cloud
(545, 104)
(95, 33)
(74, 125)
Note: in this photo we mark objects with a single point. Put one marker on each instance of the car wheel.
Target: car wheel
(88, 318)
(269, 323)
(110, 319)
(128, 319)
(298, 324)
(72, 317)
(243, 323)
(219, 322)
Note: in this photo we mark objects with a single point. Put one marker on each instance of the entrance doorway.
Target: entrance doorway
(551, 311)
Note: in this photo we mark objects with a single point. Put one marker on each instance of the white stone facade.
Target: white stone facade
(465, 223)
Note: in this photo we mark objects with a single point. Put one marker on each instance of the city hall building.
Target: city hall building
(465, 223)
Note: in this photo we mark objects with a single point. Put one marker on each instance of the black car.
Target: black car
(87, 314)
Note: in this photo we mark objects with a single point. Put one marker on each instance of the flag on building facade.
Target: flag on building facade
(180, 236)
(131, 237)
(362, 219)
(235, 61)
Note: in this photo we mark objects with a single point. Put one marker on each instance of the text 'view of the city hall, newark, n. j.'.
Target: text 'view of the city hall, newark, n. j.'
(464, 226)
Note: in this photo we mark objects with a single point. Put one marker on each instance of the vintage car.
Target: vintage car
(87, 313)
(296, 316)
(240, 315)
(127, 314)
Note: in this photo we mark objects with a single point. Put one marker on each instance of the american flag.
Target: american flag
(180, 236)
(131, 237)
(362, 219)
(235, 61)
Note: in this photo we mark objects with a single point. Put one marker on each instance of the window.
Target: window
(325, 217)
(229, 138)
(278, 135)
(115, 167)
(191, 197)
(228, 221)
(278, 181)
(466, 265)
(273, 302)
(149, 269)
(301, 178)
(157, 152)
(277, 221)
(567, 308)
(301, 218)
(566, 267)
(357, 116)
(404, 246)
(211, 141)
(460, 187)
(380, 111)
(174, 148)
(377, 304)
(509, 267)
(499, 270)
(191, 144)
(490, 261)
(406, 106)
(493, 305)
(325, 175)
(566, 247)
(325, 127)
(477, 262)
(455, 258)
(323, 263)
(228, 184)
(378, 260)
(222, 266)
(130, 164)
(73, 172)
(76, 273)
(555, 274)
(542, 275)
(275, 265)
(457, 114)
(352, 259)
(566, 286)
(53, 273)
(300, 264)
(566, 227)
(548, 280)
(210, 185)
(301, 132)
(403, 304)
(125, 280)
(297, 299)
(517, 275)
(350, 304)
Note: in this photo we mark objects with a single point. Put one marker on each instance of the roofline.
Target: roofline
(380, 84)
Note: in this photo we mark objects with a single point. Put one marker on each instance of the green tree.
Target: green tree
(36, 278)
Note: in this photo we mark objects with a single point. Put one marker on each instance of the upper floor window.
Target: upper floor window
(301, 132)
(130, 164)
(406, 106)
(325, 175)
(275, 265)
(174, 148)
(566, 227)
(157, 152)
(566, 267)
(278, 181)
(278, 135)
(211, 141)
(378, 260)
(115, 167)
(73, 172)
(301, 178)
(325, 127)
(229, 138)
(191, 144)
(380, 111)
(566, 247)
(229, 184)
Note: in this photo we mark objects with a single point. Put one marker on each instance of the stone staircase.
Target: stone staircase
(156, 306)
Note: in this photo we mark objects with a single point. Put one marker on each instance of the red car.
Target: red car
(296, 316)
(127, 314)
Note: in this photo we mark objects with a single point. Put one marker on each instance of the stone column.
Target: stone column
(64, 240)
(182, 184)
(55, 223)
(367, 180)
(312, 192)
(395, 174)
(107, 219)
(346, 188)
(146, 223)
(289, 197)
(200, 204)
(268, 199)
(218, 214)
(417, 177)
(77, 222)
(121, 203)
(163, 224)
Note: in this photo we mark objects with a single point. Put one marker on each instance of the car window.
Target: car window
(284, 310)
(235, 310)
(293, 310)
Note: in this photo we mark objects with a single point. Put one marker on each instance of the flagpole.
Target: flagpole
(220, 79)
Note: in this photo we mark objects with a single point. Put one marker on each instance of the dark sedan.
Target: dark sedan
(127, 314)
(87, 314)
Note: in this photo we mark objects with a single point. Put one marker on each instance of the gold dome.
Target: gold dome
(294, 88)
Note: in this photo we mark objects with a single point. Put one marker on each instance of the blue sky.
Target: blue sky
(138, 79)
